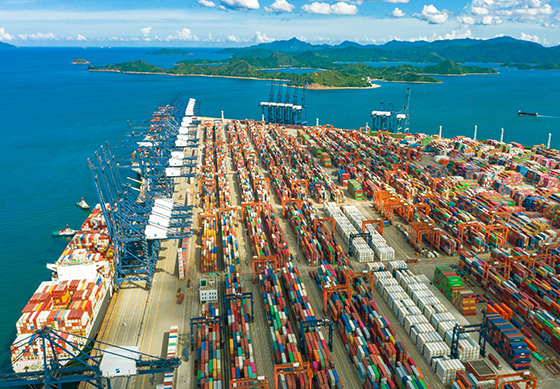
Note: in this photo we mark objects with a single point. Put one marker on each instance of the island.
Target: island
(80, 61)
(323, 74)
(170, 52)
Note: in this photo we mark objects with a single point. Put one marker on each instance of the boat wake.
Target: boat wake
(549, 117)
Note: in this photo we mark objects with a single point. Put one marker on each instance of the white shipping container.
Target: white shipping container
(446, 370)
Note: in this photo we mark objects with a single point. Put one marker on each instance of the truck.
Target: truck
(495, 361)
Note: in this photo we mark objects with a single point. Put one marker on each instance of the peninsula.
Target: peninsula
(80, 61)
(170, 52)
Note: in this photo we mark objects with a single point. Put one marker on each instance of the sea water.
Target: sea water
(55, 115)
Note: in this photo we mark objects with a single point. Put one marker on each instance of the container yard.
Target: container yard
(332, 259)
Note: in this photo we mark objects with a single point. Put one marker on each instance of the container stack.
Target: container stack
(355, 190)
(451, 285)
(302, 227)
(322, 363)
(326, 160)
(427, 335)
(209, 353)
(383, 252)
(362, 252)
(171, 353)
(509, 343)
(209, 251)
(282, 334)
(381, 360)
(242, 361)
(275, 234)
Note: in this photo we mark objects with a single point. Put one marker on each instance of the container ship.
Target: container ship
(76, 299)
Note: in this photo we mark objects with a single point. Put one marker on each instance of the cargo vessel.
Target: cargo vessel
(76, 299)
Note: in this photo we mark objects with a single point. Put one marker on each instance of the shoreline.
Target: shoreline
(310, 86)
(459, 75)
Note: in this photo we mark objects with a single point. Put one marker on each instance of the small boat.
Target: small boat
(528, 113)
(82, 204)
(67, 231)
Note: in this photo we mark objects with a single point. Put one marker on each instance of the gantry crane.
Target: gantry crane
(263, 261)
(80, 360)
(261, 382)
(292, 369)
(329, 290)
(525, 377)
(417, 231)
(379, 227)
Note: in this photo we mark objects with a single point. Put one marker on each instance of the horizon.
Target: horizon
(242, 23)
(332, 44)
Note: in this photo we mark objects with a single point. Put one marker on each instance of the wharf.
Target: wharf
(141, 317)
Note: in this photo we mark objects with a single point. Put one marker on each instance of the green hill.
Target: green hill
(450, 67)
(498, 50)
(129, 67)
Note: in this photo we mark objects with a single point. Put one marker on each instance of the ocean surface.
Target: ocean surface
(55, 115)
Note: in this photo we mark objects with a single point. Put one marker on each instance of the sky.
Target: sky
(225, 23)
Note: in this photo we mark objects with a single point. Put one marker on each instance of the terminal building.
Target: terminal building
(208, 289)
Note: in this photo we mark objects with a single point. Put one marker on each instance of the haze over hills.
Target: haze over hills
(498, 50)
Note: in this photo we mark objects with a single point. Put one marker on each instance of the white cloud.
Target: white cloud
(384, 1)
(432, 15)
(321, 39)
(233, 38)
(458, 35)
(38, 36)
(81, 37)
(280, 6)
(241, 4)
(489, 19)
(4, 36)
(262, 38)
(466, 19)
(186, 35)
(530, 38)
(524, 11)
(146, 31)
(207, 3)
(210, 4)
(480, 11)
(340, 8)
(317, 8)
(397, 13)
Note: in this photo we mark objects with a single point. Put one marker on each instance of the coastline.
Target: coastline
(310, 86)
(459, 75)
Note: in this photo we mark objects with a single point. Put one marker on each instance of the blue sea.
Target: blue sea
(55, 115)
